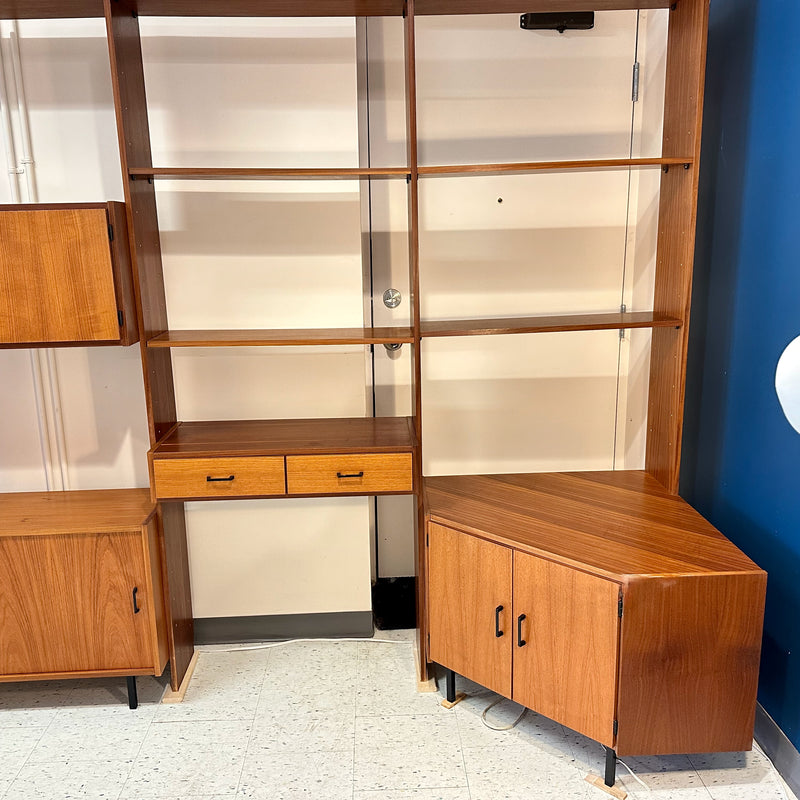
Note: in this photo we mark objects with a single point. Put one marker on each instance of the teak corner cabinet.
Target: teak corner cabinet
(599, 599)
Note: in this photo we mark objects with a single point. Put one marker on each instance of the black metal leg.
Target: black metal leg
(611, 766)
(133, 697)
(451, 686)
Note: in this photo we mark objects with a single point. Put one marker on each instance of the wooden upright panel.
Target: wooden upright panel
(469, 580)
(567, 668)
(56, 276)
(689, 656)
(130, 102)
(413, 266)
(683, 113)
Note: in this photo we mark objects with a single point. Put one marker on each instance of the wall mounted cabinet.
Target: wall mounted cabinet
(65, 276)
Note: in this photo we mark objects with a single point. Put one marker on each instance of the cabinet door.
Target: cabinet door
(66, 604)
(469, 579)
(56, 276)
(567, 667)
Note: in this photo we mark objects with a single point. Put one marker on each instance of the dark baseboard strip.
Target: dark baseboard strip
(775, 743)
(228, 630)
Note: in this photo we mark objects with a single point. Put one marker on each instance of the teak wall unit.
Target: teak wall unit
(194, 460)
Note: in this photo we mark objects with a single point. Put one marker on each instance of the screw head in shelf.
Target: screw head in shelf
(392, 298)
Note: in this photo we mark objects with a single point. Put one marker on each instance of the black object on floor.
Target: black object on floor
(394, 604)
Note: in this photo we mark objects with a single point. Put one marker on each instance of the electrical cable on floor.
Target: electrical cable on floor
(634, 775)
(501, 727)
(269, 645)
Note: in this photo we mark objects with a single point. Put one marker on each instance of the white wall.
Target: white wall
(272, 254)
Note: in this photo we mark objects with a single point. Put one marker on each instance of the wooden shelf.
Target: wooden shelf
(95, 511)
(271, 174)
(524, 167)
(616, 524)
(54, 9)
(547, 324)
(287, 437)
(281, 337)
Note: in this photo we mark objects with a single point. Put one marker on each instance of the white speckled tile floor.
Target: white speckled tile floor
(320, 721)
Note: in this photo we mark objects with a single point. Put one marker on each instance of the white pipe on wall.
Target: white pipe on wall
(47, 392)
(8, 135)
(27, 161)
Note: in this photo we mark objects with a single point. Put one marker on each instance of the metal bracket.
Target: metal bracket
(635, 89)
(392, 298)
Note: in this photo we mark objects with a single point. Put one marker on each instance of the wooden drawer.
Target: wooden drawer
(185, 478)
(350, 474)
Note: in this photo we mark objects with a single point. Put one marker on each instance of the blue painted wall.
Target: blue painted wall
(741, 458)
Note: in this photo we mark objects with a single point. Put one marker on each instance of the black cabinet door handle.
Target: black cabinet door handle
(497, 632)
(136, 608)
(214, 480)
(520, 641)
(350, 475)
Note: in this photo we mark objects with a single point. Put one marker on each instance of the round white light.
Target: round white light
(787, 383)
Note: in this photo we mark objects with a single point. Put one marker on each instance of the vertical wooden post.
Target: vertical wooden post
(413, 256)
(130, 103)
(683, 116)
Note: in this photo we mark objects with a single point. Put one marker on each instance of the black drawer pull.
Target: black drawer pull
(520, 641)
(136, 608)
(497, 632)
(214, 480)
(350, 475)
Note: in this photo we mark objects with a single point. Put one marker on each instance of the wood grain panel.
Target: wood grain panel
(281, 337)
(123, 273)
(363, 473)
(525, 6)
(268, 173)
(177, 588)
(50, 9)
(468, 580)
(522, 167)
(288, 436)
(612, 524)
(683, 116)
(188, 478)
(159, 627)
(270, 8)
(130, 104)
(56, 278)
(87, 511)
(567, 670)
(412, 153)
(689, 659)
(547, 324)
(66, 603)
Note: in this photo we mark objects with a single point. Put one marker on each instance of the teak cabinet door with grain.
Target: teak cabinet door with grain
(67, 604)
(566, 633)
(469, 607)
(65, 275)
